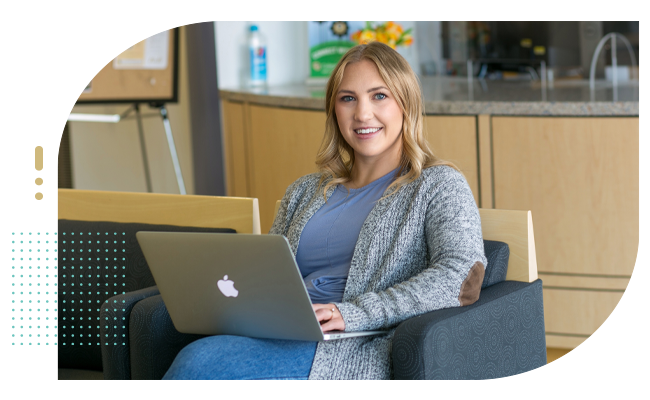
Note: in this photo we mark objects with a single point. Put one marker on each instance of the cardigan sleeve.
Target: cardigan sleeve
(455, 257)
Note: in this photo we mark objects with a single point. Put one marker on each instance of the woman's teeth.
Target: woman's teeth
(364, 131)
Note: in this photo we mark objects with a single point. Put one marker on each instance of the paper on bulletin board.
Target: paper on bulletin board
(73, 55)
(151, 53)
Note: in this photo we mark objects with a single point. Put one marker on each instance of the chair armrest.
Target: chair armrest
(114, 328)
(154, 340)
(501, 334)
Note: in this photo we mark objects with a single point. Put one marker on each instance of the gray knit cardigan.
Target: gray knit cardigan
(419, 250)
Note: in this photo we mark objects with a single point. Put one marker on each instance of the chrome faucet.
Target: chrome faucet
(592, 68)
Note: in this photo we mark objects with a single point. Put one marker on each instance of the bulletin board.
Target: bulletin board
(146, 72)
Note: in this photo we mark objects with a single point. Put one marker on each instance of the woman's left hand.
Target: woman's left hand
(329, 317)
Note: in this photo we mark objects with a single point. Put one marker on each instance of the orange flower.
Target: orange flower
(381, 37)
(389, 33)
(394, 29)
(367, 37)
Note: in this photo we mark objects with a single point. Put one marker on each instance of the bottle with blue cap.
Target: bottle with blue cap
(257, 57)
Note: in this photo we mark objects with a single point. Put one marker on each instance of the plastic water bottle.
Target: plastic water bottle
(257, 57)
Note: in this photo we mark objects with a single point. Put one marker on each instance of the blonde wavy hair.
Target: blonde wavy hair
(335, 158)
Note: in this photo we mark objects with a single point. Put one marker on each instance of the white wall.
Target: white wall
(429, 43)
(287, 51)
(287, 47)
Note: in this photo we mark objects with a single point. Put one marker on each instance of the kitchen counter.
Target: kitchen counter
(457, 96)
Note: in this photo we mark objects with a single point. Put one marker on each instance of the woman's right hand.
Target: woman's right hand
(329, 317)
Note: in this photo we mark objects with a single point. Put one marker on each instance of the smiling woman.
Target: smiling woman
(370, 121)
(384, 232)
(374, 85)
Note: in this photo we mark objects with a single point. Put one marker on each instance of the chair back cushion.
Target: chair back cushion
(98, 260)
(497, 254)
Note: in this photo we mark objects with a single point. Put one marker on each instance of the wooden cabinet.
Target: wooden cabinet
(454, 138)
(580, 179)
(267, 148)
(282, 147)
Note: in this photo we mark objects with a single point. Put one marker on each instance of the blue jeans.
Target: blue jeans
(237, 357)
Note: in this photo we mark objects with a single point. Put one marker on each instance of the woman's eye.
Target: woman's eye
(347, 98)
(380, 96)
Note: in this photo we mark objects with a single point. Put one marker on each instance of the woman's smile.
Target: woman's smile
(367, 133)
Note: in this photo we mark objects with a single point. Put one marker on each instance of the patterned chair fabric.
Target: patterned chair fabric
(99, 260)
(114, 318)
(154, 342)
(502, 334)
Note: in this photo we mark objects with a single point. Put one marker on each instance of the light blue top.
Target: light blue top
(329, 238)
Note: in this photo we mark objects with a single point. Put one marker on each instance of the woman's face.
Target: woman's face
(368, 115)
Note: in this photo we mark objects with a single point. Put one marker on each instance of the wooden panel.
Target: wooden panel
(235, 149)
(123, 85)
(564, 341)
(241, 214)
(453, 138)
(578, 312)
(283, 147)
(485, 161)
(576, 364)
(516, 229)
(584, 282)
(580, 178)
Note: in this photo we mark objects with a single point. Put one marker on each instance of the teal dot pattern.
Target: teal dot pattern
(93, 267)
(34, 288)
(99, 262)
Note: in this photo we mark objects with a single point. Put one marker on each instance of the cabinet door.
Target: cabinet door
(454, 139)
(282, 148)
(580, 179)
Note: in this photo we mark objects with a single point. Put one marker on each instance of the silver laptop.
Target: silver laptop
(233, 284)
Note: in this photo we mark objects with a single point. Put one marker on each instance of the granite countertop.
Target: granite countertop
(451, 95)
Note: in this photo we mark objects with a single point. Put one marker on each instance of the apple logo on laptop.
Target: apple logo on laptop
(227, 287)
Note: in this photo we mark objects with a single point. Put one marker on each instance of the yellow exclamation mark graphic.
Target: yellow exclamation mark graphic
(39, 166)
